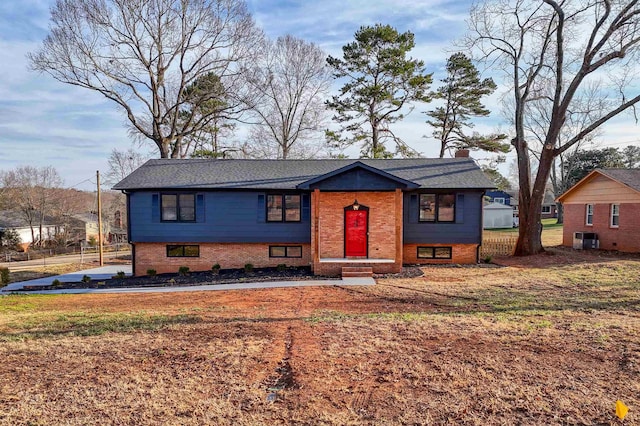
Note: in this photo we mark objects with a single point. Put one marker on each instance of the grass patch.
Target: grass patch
(87, 324)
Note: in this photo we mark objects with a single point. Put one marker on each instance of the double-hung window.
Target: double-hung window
(437, 207)
(589, 215)
(615, 215)
(283, 208)
(178, 207)
(546, 209)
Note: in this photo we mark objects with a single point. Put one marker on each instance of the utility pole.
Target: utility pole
(99, 220)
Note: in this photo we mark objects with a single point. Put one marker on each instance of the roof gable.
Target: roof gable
(627, 179)
(357, 177)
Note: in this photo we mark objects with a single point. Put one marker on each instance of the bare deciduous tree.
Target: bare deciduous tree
(32, 194)
(292, 81)
(121, 164)
(567, 45)
(142, 55)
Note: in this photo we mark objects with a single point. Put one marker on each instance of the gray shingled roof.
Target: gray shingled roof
(15, 219)
(454, 173)
(629, 177)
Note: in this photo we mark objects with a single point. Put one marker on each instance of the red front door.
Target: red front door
(356, 233)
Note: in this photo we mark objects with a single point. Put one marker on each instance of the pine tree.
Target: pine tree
(381, 82)
(462, 92)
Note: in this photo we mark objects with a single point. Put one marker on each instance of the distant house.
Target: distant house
(498, 196)
(548, 209)
(15, 221)
(497, 215)
(85, 227)
(327, 214)
(605, 202)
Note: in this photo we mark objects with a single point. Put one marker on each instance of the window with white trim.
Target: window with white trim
(615, 215)
(546, 209)
(498, 200)
(589, 215)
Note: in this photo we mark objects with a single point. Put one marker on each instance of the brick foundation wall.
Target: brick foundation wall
(624, 238)
(229, 256)
(460, 253)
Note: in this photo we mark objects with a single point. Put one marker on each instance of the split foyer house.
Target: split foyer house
(606, 203)
(327, 214)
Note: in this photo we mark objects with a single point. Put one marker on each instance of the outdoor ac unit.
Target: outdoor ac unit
(585, 240)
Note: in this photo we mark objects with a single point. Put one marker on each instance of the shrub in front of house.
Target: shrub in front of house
(86, 279)
(151, 272)
(215, 268)
(281, 267)
(183, 271)
(248, 267)
(4, 276)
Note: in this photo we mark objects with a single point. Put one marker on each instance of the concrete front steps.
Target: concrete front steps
(357, 272)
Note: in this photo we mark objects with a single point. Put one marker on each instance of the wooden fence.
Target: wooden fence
(498, 246)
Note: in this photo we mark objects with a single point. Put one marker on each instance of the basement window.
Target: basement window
(434, 252)
(285, 251)
(183, 251)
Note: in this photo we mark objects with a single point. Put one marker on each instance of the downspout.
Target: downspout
(481, 225)
(133, 246)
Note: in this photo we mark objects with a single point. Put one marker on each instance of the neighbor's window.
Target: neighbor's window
(285, 251)
(437, 207)
(615, 215)
(498, 200)
(178, 207)
(546, 209)
(183, 251)
(283, 208)
(589, 218)
(434, 252)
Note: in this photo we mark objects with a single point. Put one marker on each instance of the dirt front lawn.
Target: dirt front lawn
(551, 339)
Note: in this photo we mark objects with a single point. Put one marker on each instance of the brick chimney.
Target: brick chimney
(462, 153)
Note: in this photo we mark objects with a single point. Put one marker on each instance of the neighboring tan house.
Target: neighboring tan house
(84, 227)
(327, 214)
(605, 202)
(15, 221)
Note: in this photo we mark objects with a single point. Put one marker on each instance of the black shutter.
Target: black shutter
(460, 208)
(413, 208)
(306, 207)
(262, 209)
(200, 208)
(155, 207)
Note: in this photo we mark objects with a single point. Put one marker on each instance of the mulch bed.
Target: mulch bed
(224, 276)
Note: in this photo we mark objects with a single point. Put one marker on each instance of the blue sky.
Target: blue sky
(44, 122)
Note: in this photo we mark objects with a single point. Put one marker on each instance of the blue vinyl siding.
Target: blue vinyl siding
(221, 216)
(465, 230)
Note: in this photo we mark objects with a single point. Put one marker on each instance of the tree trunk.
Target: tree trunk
(560, 210)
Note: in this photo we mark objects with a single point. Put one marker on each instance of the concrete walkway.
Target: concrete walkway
(106, 272)
(101, 273)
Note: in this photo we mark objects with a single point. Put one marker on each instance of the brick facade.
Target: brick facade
(229, 256)
(626, 237)
(460, 253)
(328, 233)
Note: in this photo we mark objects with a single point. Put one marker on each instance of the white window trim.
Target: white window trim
(499, 200)
(586, 219)
(548, 209)
(611, 216)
